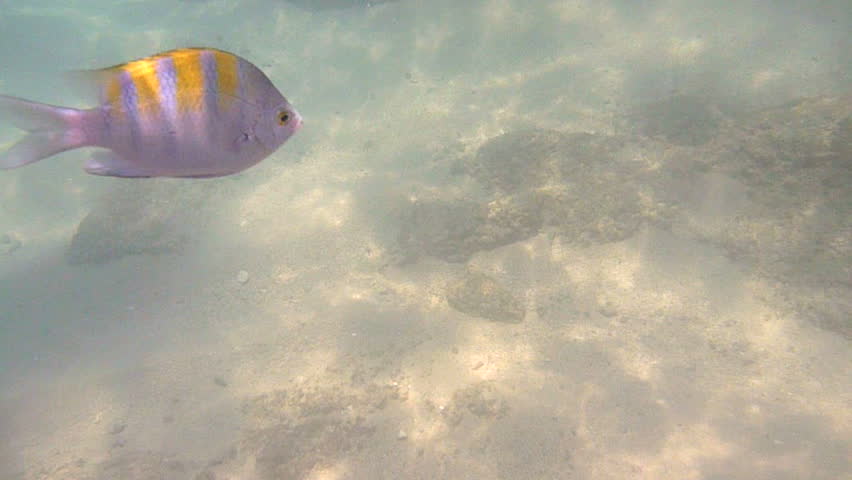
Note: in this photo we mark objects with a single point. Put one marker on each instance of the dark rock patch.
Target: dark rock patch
(479, 295)
(140, 217)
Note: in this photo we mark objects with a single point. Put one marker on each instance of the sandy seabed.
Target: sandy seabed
(463, 267)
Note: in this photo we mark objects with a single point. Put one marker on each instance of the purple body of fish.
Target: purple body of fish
(193, 112)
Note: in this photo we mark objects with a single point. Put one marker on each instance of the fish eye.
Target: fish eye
(283, 117)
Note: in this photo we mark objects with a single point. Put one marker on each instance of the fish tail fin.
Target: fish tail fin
(50, 130)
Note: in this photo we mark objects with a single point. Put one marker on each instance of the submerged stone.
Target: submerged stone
(150, 217)
(481, 296)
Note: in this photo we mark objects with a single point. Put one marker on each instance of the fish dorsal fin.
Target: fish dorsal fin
(105, 84)
(91, 84)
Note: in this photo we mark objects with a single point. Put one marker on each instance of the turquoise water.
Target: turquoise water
(514, 239)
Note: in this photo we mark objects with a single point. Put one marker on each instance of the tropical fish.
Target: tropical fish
(192, 112)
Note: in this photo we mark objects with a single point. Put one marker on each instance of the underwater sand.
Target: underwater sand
(514, 240)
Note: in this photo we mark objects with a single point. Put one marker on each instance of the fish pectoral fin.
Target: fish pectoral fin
(240, 141)
(108, 164)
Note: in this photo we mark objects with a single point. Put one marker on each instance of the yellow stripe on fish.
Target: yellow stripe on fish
(189, 73)
(227, 75)
(112, 93)
(143, 73)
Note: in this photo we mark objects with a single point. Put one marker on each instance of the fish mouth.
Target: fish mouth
(297, 120)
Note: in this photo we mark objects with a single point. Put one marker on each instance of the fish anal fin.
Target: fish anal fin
(108, 164)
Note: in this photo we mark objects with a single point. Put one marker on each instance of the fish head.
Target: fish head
(277, 123)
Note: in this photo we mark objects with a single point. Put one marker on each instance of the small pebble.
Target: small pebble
(401, 435)
(478, 365)
(205, 475)
(242, 277)
(219, 380)
(117, 428)
(607, 309)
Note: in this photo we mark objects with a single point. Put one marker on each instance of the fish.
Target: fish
(185, 113)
